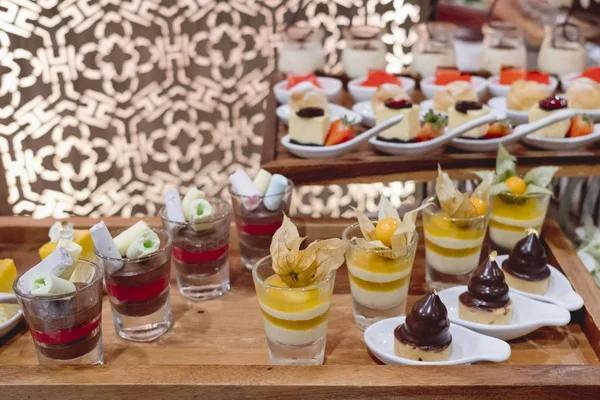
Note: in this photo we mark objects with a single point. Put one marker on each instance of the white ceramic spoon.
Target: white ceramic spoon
(528, 315)
(467, 346)
(520, 131)
(335, 112)
(560, 291)
(415, 148)
(566, 143)
(337, 149)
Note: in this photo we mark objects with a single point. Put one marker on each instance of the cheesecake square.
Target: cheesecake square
(557, 130)
(309, 131)
(405, 131)
(457, 118)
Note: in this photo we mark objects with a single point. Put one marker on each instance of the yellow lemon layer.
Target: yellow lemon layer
(531, 209)
(437, 225)
(82, 237)
(296, 325)
(512, 228)
(455, 253)
(291, 301)
(375, 263)
(8, 274)
(379, 286)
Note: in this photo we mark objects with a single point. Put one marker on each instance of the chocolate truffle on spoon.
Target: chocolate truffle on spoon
(425, 334)
(486, 301)
(526, 268)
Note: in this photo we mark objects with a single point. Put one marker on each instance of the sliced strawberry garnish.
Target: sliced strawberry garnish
(434, 125)
(341, 131)
(376, 78)
(592, 73)
(293, 80)
(498, 130)
(581, 125)
(509, 75)
(445, 75)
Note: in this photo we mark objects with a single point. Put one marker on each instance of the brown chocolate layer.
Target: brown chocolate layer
(71, 350)
(487, 288)
(427, 325)
(141, 308)
(527, 260)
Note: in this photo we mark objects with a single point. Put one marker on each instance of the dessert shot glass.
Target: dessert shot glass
(378, 282)
(255, 227)
(201, 252)
(452, 246)
(295, 318)
(66, 328)
(511, 216)
(138, 290)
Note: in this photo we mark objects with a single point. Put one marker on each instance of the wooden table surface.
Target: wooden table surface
(218, 348)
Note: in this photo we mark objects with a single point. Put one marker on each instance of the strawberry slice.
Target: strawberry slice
(581, 125)
(498, 129)
(293, 80)
(509, 75)
(376, 78)
(444, 76)
(433, 126)
(341, 131)
(592, 73)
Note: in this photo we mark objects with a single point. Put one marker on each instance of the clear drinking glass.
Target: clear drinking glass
(452, 246)
(503, 46)
(201, 252)
(434, 48)
(302, 51)
(138, 290)
(364, 50)
(378, 282)
(295, 318)
(255, 228)
(563, 50)
(66, 328)
(511, 216)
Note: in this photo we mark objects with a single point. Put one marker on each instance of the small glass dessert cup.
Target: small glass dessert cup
(433, 48)
(379, 281)
(66, 328)
(513, 214)
(364, 50)
(138, 290)
(295, 318)
(563, 50)
(200, 252)
(452, 246)
(503, 45)
(255, 227)
(302, 51)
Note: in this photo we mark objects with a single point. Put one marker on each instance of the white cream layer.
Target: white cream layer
(379, 300)
(452, 265)
(296, 316)
(294, 337)
(452, 243)
(376, 276)
(526, 223)
(506, 238)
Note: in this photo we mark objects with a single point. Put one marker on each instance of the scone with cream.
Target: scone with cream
(466, 111)
(525, 94)
(309, 120)
(390, 101)
(584, 94)
(453, 92)
(545, 108)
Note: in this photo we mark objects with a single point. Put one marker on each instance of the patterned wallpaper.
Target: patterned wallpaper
(104, 105)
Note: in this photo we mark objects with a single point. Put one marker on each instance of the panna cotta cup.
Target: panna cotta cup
(200, 252)
(295, 319)
(512, 214)
(138, 290)
(378, 282)
(452, 246)
(66, 328)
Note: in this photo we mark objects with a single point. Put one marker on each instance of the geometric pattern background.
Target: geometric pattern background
(106, 104)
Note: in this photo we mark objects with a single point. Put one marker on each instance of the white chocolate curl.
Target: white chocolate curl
(45, 284)
(145, 244)
(129, 235)
(275, 192)
(200, 211)
(74, 250)
(173, 206)
(262, 180)
(192, 195)
(243, 185)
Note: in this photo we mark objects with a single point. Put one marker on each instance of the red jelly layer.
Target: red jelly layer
(128, 294)
(269, 229)
(198, 256)
(66, 335)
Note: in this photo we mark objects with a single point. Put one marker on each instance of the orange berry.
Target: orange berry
(516, 185)
(385, 230)
(480, 205)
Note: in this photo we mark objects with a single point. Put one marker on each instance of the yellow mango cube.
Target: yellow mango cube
(82, 238)
(8, 274)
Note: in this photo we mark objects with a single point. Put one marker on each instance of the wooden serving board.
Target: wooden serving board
(365, 165)
(217, 349)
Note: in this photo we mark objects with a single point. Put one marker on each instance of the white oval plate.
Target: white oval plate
(335, 112)
(563, 143)
(482, 145)
(429, 89)
(12, 322)
(467, 346)
(498, 90)
(364, 93)
(499, 103)
(331, 87)
(560, 291)
(528, 315)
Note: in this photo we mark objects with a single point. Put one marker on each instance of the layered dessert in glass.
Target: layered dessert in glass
(433, 48)
(503, 45)
(454, 228)
(137, 265)
(364, 50)
(294, 289)
(199, 226)
(563, 50)
(258, 206)
(302, 51)
(517, 202)
(61, 299)
(380, 260)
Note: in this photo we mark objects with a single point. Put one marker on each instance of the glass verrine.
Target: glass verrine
(452, 246)
(200, 252)
(256, 227)
(503, 45)
(66, 328)
(364, 50)
(433, 48)
(295, 318)
(378, 282)
(138, 290)
(302, 50)
(512, 214)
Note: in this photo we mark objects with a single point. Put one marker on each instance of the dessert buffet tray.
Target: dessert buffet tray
(218, 350)
(365, 164)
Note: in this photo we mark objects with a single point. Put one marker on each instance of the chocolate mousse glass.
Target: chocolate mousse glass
(66, 328)
(378, 282)
(452, 246)
(201, 252)
(138, 290)
(255, 227)
(295, 318)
